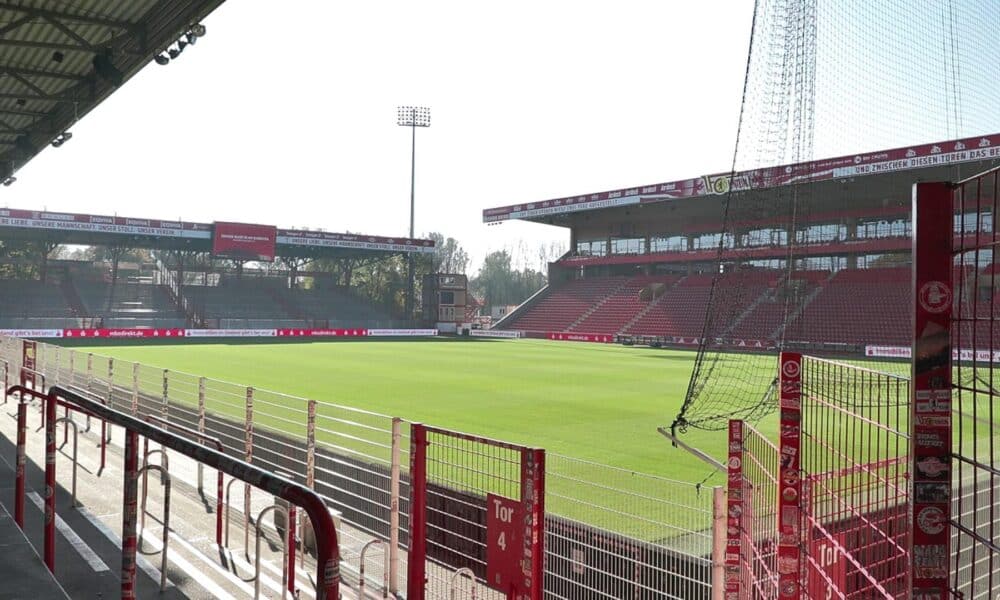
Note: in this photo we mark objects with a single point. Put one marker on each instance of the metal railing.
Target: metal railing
(328, 555)
(358, 462)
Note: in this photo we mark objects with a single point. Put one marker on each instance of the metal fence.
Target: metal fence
(854, 453)
(610, 533)
(975, 342)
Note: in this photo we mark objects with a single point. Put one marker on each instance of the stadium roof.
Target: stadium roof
(843, 167)
(59, 60)
(103, 230)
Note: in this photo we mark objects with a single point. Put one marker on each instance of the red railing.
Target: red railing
(328, 552)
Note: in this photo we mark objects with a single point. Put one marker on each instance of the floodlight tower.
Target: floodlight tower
(412, 117)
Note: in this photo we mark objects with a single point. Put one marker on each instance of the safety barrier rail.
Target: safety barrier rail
(358, 461)
(328, 554)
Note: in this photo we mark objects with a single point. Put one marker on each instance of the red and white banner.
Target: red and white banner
(855, 165)
(321, 332)
(244, 241)
(229, 333)
(956, 354)
(348, 240)
(104, 224)
(401, 332)
(211, 333)
(34, 219)
(495, 333)
(602, 338)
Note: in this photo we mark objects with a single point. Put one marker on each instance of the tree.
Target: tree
(500, 284)
(448, 256)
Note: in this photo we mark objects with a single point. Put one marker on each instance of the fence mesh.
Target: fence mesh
(975, 337)
(855, 448)
(759, 494)
(610, 533)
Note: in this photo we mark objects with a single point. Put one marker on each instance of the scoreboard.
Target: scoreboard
(445, 299)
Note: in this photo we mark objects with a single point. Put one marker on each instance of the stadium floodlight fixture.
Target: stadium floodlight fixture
(9, 181)
(197, 30)
(413, 116)
(174, 52)
(62, 138)
(162, 59)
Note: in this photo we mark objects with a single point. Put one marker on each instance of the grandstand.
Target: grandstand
(643, 259)
(166, 291)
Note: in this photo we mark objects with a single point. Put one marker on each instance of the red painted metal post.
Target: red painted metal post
(50, 484)
(789, 525)
(129, 508)
(22, 424)
(734, 577)
(417, 563)
(291, 549)
(931, 406)
(533, 500)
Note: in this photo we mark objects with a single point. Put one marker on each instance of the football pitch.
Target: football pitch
(597, 402)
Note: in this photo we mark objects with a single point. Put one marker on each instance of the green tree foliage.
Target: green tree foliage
(500, 284)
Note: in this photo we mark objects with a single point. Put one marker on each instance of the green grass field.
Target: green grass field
(591, 401)
(596, 402)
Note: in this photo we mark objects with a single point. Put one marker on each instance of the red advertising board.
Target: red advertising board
(930, 406)
(504, 525)
(829, 571)
(244, 241)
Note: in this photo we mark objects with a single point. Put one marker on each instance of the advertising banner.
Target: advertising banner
(244, 241)
(603, 338)
(495, 333)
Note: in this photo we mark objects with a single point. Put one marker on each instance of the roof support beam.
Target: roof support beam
(73, 18)
(71, 34)
(41, 73)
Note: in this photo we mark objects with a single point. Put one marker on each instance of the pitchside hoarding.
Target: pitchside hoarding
(244, 241)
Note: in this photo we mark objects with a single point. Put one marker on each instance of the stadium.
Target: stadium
(769, 382)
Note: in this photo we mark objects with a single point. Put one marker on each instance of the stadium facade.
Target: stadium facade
(643, 259)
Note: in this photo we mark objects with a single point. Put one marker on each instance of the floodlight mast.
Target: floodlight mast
(412, 117)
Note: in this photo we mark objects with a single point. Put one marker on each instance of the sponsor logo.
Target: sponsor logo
(984, 142)
(931, 520)
(930, 561)
(931, 492)
(933, 467)
(790, 369)
(935, 297)
(933, 401)
(935, 149)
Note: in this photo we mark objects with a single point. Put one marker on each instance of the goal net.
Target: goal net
(845, 106)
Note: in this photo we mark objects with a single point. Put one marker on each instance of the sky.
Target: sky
(288, 118)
